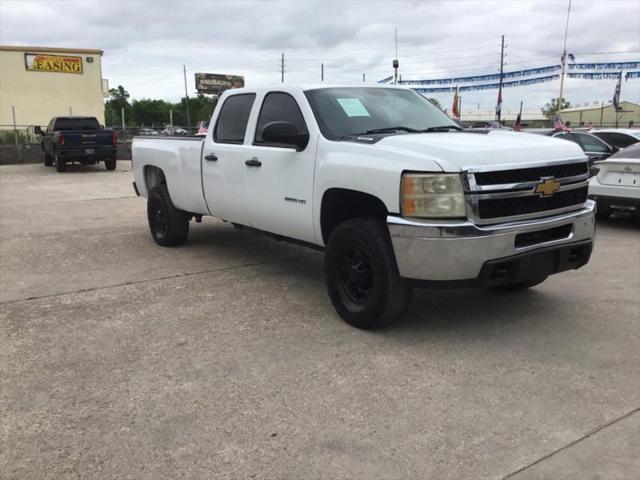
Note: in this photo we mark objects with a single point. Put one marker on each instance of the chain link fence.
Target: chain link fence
(21, 144)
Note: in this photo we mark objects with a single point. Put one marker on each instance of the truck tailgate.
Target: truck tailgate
(87, 138)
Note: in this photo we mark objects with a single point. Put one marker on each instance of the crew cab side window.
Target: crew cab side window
(279, 107)
(234, 116)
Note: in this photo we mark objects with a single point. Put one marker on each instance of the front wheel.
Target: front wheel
(110, 163)
(169, 226)
(361, 274)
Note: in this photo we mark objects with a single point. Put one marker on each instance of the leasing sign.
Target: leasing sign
(40, 62)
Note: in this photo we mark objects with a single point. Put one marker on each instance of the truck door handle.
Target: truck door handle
(253, 162)
(211, 157)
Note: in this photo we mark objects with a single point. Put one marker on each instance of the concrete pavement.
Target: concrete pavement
(224, 358)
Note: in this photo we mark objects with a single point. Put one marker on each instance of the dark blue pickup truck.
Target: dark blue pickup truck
(77, 139)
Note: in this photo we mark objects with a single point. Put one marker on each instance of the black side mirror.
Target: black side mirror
(38, 130)
(285, 134)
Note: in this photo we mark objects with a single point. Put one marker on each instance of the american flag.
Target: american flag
(203, 127)
(558, 124)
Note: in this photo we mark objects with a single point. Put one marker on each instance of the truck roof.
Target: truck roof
(284, 87)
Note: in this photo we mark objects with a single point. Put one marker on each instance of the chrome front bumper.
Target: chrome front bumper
(458, 251)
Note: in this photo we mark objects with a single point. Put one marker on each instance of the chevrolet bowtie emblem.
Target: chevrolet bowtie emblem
(547, 187)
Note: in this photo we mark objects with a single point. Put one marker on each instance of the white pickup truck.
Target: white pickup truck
(393, 191)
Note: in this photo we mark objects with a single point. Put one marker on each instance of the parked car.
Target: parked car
(396, 194)
(77, 139)
(616, 188)
(595, 148)
(148, 132)
(617, 137)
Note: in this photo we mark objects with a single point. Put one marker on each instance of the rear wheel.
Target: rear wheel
(61, 163)
(361, 274)
(169, 226)
(110, 163)
(46, 158)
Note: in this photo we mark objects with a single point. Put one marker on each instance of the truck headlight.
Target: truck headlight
(432, 195)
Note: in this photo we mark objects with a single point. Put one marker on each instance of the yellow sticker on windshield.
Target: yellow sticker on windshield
(353, 107)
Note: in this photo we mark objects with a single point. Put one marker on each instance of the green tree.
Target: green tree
(150, 112)
(118, 100)
(551, 107)
(200, 109)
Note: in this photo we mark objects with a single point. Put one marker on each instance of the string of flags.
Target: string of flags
(523, 77)
(489, 86)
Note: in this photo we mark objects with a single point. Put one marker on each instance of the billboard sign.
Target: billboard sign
(40, 62)
(217, 83)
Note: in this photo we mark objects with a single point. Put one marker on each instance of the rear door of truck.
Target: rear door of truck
(223, 159)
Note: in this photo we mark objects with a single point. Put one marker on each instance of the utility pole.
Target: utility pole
(364, 78)
(564, 58)
(601, 112)
(282, 68)
(499, 105)
(395, 63)
(322, 72)
(186, 94)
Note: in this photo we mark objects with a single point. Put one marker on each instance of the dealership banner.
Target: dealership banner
(40, 62)
(489, 86)
(217, 83)
(524, 77)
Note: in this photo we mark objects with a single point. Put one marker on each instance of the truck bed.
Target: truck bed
(179, 158)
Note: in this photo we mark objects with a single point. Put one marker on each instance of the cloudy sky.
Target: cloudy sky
(146, 42)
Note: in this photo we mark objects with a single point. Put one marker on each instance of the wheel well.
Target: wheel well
(339, 204)
(153, 176)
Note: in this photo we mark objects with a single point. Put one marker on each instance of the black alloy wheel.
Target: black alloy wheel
(168, 225)
(362, 276)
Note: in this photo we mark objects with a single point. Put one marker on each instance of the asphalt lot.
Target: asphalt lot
(224, 359)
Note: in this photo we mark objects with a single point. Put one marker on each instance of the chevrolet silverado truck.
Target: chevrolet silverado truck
(395, 193)
(77, 139)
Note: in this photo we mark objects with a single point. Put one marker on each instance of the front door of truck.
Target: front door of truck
(223, 157)
(279, 179)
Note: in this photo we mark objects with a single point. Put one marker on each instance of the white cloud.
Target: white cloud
(147, 42)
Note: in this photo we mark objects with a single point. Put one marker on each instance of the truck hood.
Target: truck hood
(459, 151)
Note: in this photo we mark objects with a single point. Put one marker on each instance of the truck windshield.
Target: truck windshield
(67, 124)
(343, 112)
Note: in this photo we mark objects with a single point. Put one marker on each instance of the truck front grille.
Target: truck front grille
(531, 174)
(508, 207)
(510, 194)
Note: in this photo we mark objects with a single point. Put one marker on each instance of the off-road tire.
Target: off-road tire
(169, 226)
(362, 275)
(61, 163)
(110, 163)
(520, 285)
(46, 158)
